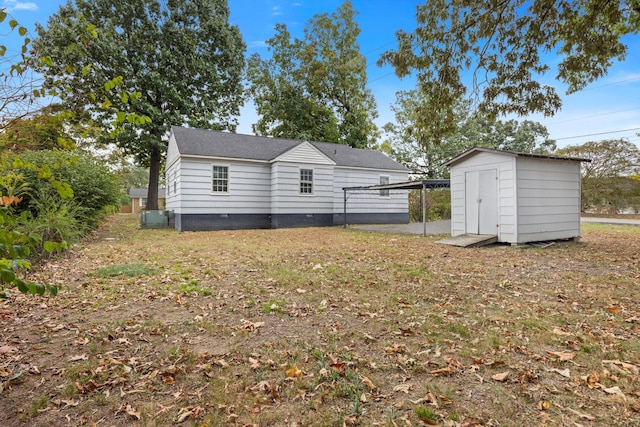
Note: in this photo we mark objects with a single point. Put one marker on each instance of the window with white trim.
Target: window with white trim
(143, 202)
(175, 183)
(306, 181)
(384, 180)
(220, 179)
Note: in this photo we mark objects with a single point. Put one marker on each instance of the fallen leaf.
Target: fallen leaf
(543, 405)
(222, 363)
(403, 388)
(628, 366)
(7, 349)
(453, 363)
(502, 377)
(616, 391)
(592, 380)
(340, 368)
(293, 372)
(443, 371)
(368, 382)
(581, 415)
(129, 410)
(349, 421)
(562, 356)
(396, 349)
(564, 372)
(78, 357)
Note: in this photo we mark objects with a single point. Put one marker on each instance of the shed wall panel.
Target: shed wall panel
(548, 199)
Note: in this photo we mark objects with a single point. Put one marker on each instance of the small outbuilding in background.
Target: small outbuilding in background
(517, 197)
(139, 199)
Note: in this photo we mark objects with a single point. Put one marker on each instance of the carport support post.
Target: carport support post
(345, 207)
(423, 196)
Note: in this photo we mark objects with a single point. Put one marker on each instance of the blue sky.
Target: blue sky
(610, 104)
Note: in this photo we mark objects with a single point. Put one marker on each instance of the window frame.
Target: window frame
(384, 193)
(224, 180)
(306, 182)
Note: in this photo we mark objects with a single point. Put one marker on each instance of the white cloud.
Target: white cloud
(276, 11)
(257, 43)
(12, 5)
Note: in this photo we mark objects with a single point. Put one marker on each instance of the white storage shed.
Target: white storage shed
(517, 197)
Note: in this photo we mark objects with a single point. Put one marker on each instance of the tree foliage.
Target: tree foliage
(44, 130)
(285, 108)
(406, 144)
(315, 88)
(19, 87)
(609, 177)
(499, 48)
(182, 61)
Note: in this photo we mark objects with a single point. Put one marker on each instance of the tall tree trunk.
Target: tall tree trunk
(154, 173)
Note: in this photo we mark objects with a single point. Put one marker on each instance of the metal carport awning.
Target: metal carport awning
(422, 185)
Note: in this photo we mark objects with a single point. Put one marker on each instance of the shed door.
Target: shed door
(481, 202)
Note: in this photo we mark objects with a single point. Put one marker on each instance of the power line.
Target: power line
(609, 84)
(595, 115)
(596, 134)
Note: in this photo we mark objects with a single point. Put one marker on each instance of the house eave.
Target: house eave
(230, 159)
(373, 169)
(476, 150)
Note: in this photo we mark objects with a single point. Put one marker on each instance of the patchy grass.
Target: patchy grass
(326, 327)
(127, 270)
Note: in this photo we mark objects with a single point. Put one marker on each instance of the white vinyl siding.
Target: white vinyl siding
(368, 201)
(285, 189)
(548, 199)
(248, 188)
(304, 153)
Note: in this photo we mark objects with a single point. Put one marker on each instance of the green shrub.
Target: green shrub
(94, 187)
(57, 220)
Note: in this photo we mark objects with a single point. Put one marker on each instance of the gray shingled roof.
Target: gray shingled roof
(142, 192)
(212, 143)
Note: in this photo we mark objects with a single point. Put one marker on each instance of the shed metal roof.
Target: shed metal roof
(218, 144)
(476, 150)
(409, 185)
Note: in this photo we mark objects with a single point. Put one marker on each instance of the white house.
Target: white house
(517, 197)
(218, 180)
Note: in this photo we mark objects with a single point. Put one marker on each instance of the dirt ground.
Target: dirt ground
(326, 327)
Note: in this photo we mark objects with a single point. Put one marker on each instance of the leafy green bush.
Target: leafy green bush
(438, 205)
(94, 187)
(57, 220)
(15, 249)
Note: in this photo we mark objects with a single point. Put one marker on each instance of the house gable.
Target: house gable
(173, 154)
(304, 153)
